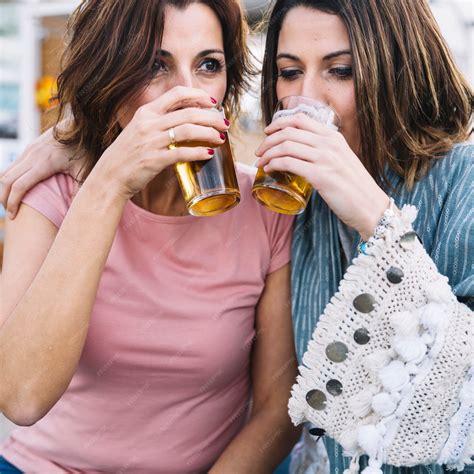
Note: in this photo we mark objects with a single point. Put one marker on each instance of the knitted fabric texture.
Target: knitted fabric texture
(388, 370)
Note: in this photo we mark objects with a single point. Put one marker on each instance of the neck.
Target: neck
(162, 195)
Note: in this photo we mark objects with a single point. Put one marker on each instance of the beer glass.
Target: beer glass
(285, 192)
(209, 187)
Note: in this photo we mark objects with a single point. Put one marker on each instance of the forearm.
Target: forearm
(43, 337)
(261, 445)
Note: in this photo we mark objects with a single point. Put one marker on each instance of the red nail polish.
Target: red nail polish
(222, 135)
(210, 151)
(226, 122)
(214, 101)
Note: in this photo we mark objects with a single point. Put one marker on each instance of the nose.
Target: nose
(184, 78)
(313, 87)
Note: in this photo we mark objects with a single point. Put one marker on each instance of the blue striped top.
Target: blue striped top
(445, 201)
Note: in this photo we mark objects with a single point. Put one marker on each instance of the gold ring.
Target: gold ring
(172, 136)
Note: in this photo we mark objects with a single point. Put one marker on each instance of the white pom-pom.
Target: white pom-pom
(394, 377)
(412, 368)
(408, 214)
(405, 323)
(439, 291)
(410, 348)
(427, 338)
(372, 470)
(348, 440)
(369, 439)
(396, 397)
(433, 316)
(375, 361)
(383, 404)
(374, 467)
(361, 403)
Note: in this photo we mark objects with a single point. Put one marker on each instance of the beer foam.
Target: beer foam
(321, 114)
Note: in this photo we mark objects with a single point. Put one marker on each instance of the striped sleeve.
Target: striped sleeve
(453, 245)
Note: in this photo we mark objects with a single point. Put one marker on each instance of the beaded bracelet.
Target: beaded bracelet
(380, 229)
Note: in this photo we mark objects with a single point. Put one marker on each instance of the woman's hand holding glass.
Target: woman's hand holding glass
(298, 144)
(138, 155)
(142, 150)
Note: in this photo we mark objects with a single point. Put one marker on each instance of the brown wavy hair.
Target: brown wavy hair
(413, 102)
(109, 60)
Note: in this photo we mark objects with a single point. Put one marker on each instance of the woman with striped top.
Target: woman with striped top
(405, 112)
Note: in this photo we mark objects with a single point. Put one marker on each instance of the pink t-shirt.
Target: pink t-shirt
(163, 383)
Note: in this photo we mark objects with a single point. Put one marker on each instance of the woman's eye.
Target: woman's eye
(341, 72)
(211, 65)
(158, 66)
(289, 74)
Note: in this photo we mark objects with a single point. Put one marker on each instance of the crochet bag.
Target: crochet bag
(388, 372)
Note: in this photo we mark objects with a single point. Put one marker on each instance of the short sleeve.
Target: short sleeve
(280, 237)
(52, 197)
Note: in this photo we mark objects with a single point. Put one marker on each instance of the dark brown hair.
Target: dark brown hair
(109, 59)
(413, 103)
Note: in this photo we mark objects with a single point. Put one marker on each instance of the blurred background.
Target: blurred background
(32, 40)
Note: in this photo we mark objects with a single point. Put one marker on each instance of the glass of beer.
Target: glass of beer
(285, 192)
(209, 187)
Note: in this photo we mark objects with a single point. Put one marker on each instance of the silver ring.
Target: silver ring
(172, 137)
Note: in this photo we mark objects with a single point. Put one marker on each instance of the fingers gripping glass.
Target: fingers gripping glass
(285, 192)
(209, 187)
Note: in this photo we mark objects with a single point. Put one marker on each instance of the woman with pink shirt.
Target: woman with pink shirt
(134, 337)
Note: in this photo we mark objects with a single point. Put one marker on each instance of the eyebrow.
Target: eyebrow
(335, 54)
(287, 56)
(166, 54)
(341, 52)
(207, 52)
